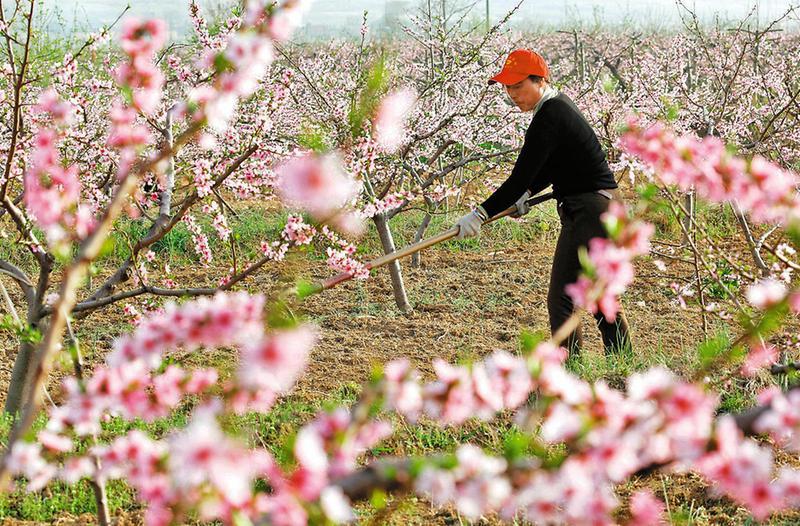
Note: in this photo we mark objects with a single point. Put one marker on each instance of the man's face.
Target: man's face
(526, 94)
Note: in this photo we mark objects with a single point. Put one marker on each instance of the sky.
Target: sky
(328, 17)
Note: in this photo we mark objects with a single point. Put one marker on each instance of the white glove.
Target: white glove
(522, 207)
(470, 224)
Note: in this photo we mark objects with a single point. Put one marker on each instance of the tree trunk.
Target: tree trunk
(385, 234)
(752, 244)
(17, 387)
(688, 224)
(415, 257)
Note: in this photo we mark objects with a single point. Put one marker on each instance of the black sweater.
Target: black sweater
(560, 149)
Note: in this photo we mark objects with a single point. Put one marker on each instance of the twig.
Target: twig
(786, 368)
(98, 486)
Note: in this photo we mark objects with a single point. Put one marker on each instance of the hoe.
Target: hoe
(331, 282)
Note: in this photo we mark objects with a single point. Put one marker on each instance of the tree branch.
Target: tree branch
(161, 227)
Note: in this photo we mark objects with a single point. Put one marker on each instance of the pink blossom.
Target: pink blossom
(274, 251)
(451, 398)
(388, 203)
(599, 288)
(140, 41)
(199, 239)
(202, 454)
(220, 224)
(789, 483)
(143, 37)
(759, 357)
(283, 23)
(336, 505)
(225, 318)
(402, 390)
(782, 418)
(540, 500)
(341, 261)
(276, 361)
(317, 184)
(766, 293)
(646, 510)
(297, 231)
(390, 120)
(502, 381)
(441, 192)
(251, 55)
(25, 459)
(742, 469)
(329, 447)
(76, 468)
(476, 485)
(548, 354)
(762, 188)
(124, 133)
(62, 112)
(284, 510)
(557, 381)
(562, 423)
(52, 192)
(202, 177)
(309, 450)
(54, 442)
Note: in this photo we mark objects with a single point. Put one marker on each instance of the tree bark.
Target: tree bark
(387, 241)
(17, 387)
(752, 244)
(688, 225)
(415, 257)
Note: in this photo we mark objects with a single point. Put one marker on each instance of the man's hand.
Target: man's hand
(522, 207)
(470, 224)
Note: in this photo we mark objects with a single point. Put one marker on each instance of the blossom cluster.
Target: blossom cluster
(297, 231)
(781, 420)
(502, 381)
(316, 183)
(52, 192)
(327, 449)
(243, 61)
(389, 123)
(441, 192)
(609, 269)
(758, 186)
(202, 177)
(745, 471)
(140, 40)
(142, 84)
(340, 255)
(220, 222)
(388, 203)
(199, 467)
(342, 261)
(199, 239)
(659, 421)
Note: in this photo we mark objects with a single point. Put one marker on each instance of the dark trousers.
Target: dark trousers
(580, 222)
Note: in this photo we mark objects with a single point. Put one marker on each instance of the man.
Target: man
(561, 149)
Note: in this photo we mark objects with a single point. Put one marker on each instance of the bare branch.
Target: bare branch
(161, 227)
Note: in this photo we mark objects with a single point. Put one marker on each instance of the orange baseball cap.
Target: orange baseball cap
(520, 64)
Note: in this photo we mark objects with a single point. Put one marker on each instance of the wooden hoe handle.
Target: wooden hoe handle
(331, 282)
